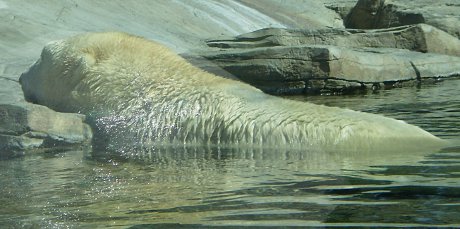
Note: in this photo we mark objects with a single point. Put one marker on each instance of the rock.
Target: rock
(331, 69)
(59, 128)
(27, 127)
(312, 14)
(420, 37)
(336, 60)
(12, 145)
(442, 14)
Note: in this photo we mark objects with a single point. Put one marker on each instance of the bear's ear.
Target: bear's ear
(77, 72)
(93, 54)
(84, 61)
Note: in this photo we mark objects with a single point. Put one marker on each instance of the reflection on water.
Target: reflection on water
(167, 188)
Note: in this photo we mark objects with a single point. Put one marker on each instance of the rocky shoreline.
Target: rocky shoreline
(337, 61)
(289, 47)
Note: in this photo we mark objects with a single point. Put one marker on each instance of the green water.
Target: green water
(194, 188)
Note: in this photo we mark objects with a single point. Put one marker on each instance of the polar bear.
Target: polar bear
(137, 92)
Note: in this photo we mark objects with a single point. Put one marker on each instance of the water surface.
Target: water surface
(240, 187)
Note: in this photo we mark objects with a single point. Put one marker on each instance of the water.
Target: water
(169, 188)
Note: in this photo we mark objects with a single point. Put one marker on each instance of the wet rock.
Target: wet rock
(12, 145)
(331, 69)
(25, 126)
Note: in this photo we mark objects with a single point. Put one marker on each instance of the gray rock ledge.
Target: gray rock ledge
(26, 127)
(337, 61)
